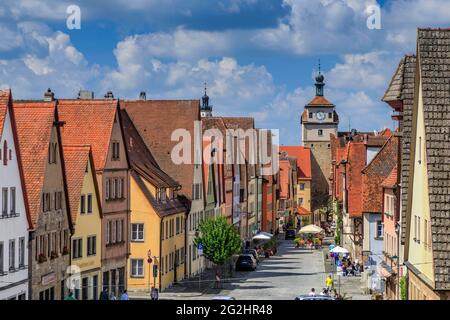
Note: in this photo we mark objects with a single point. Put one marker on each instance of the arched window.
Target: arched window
(5, 153)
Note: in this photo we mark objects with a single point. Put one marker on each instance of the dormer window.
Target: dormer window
(115, 151)
(5, 153)
(52, 148)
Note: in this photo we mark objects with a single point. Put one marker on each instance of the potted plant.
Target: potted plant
(53, 255)
(42, 258)
(317, 243)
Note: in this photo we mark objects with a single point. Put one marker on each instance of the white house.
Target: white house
(13, 215)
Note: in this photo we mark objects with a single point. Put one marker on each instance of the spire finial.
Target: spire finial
(205, 87)
(319, 66)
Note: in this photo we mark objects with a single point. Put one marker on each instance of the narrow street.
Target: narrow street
(291, 272)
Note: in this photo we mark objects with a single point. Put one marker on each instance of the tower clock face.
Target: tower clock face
(320, 116)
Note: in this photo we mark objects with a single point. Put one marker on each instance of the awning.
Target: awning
(303, 212)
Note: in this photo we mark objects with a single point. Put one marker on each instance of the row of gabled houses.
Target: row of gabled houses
(393, 188)
(109, 194)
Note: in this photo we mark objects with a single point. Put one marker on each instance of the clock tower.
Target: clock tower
(319, 120)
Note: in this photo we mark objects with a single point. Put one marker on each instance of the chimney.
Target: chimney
(85, 95)
(143, 96)
(49, 95)
(109, 95)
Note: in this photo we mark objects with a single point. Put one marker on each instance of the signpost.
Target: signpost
(149, 260)
(200, 253)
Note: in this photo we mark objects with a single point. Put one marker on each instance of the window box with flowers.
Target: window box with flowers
(65, 251)
(42, 258)
(53, 255)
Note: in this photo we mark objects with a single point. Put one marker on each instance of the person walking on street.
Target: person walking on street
(329, 282)
(217, 283)
(70, 296)
(104, 295)
(124, 295)
(312, 293)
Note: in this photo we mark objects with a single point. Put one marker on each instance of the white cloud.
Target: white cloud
(51, 61)
(369, 71)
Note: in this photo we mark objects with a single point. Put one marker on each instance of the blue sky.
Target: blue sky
(259, 57)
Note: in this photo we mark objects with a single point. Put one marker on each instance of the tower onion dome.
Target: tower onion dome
(320, 78)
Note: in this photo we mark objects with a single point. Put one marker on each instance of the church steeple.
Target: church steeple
(206, 109)
(320, 83)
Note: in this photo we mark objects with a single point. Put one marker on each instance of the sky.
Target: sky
(258, 57)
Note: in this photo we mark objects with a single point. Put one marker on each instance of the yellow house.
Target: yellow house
(87, 219)
(157, 219)
(427, 242)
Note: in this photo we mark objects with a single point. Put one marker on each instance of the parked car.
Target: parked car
(253, 252)
(246, 262)
(318, 297)
(223, 298)
(290, 234)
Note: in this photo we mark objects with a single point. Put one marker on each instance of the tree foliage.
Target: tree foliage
(220, 240)
(403, 288)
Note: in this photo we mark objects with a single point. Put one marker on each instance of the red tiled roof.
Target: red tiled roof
(303, 160)
(88, 122)
(391, 180)
(141, 158)
(156, 121)
(34, 123)
(75, 161)
(356, 162)
(4, 100)
(320, 101)
(376, 172)
(284, 178)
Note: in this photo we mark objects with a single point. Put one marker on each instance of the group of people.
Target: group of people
(104, 295)
(348, 266)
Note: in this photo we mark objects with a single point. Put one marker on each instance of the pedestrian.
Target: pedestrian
(70, 296)
(124, 295)
(329, 282)
(112, 297)
(313, 292)
(217, 284)
(344, 270)
(104, 295)
(154, 294)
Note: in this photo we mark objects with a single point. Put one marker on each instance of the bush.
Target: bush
(403, 288)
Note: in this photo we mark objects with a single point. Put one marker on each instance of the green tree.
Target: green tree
(220, 240)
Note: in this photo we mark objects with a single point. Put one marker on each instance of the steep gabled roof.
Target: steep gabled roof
(408, 100)
(434, 52)
(141, 158)
(75, 160)
(303, 156)
(376, 172)
(34, 123)
(394, 91)
(4, 102)
(89, 122)
(156, 120)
